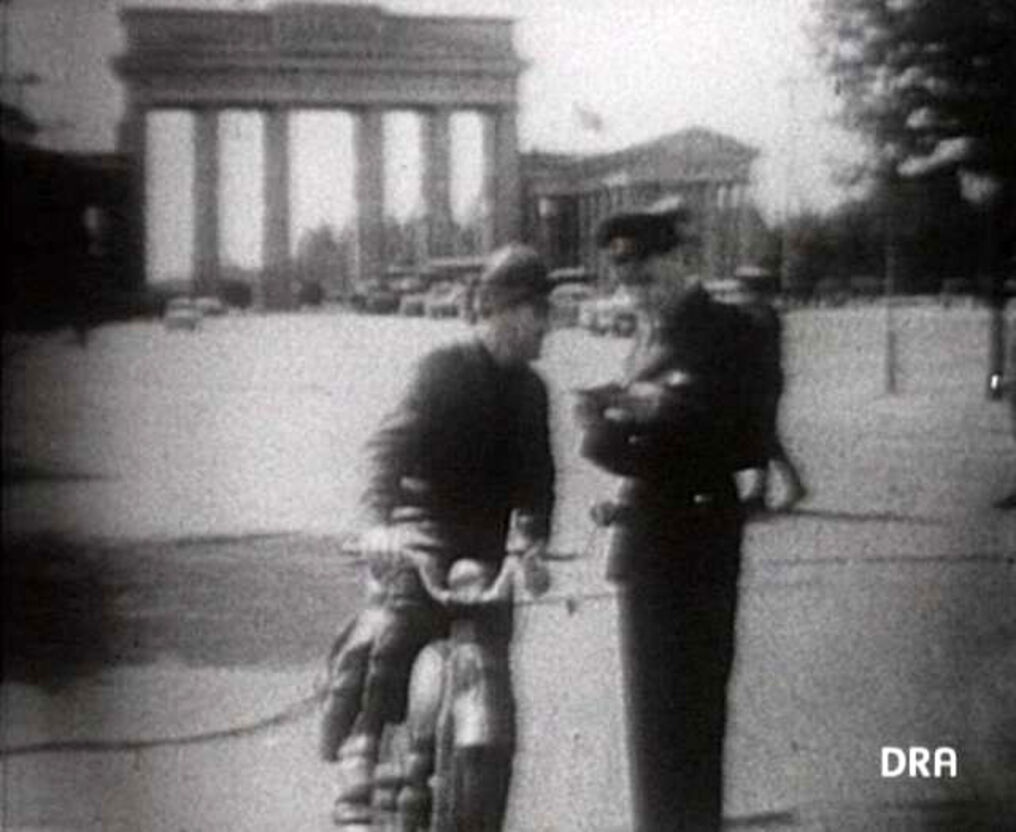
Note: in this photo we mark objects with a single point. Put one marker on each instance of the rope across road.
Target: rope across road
(291, 713)
(297, 710)
(305, 706)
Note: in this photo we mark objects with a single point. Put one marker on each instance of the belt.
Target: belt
(610, 513)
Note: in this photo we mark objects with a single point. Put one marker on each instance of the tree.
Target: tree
(932, 83)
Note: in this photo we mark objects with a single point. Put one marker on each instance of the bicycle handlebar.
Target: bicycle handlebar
(468, 581)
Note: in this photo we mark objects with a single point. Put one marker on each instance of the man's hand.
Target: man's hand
(535, 573)
(379, 541)
(388, 550)
(592, 402)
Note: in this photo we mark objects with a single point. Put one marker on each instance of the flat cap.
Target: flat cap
(515, 274)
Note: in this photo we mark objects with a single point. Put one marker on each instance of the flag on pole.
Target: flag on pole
(588, 119)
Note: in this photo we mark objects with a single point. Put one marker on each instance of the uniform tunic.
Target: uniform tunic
(675, 554)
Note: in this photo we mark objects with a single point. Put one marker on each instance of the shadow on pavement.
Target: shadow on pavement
(56, 612)
(71, 608)
(21, 473)
(847, 516)
(910, 816)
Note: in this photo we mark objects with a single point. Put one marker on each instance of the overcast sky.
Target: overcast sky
(644, 67)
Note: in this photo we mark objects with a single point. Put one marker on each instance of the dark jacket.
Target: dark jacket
(468, 444)
(704, 429)
(678, 463)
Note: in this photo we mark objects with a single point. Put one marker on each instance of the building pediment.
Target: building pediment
(690, 155)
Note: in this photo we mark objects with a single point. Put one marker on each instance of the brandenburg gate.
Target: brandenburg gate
(356, 59)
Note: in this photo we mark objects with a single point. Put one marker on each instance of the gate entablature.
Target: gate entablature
(307, 55)
(356, 58)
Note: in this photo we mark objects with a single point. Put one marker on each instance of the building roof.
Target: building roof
(689, 155)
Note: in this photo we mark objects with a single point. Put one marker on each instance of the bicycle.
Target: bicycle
(447, 765)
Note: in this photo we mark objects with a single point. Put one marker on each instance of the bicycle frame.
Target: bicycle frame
(448, 765)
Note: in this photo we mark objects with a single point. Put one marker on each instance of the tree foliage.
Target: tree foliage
(931, 83)
(848, 245)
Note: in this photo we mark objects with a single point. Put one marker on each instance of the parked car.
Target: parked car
(209, 306)
(413, 305)
(181, 313)
(572, 274)
(831, 291)
(613, 315)
(866, 286)
(310, 293)
(408, 285)
(566, 301)
(376, 298)
(460, 270)
(445, 300)
(956, 289)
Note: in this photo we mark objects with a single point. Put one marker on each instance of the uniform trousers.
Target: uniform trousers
(677, 609)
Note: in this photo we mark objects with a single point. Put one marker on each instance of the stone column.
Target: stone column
(489, 188)
(508, 207)
(722, 229)
(711, 230)
(501, 178)
(740, 250)
(370, 193)
(276, 253)
(591, 255)
(436, 139)
(133, 142)
(581, 216)
(206, 200)
(546, 230)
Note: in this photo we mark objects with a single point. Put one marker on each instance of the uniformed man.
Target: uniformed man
(466, 450)
(676, 427)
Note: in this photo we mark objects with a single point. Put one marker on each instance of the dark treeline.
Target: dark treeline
(922, 231)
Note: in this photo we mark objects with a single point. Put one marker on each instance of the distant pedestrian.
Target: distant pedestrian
(675, 427)
(1009, 391)
(768, 382)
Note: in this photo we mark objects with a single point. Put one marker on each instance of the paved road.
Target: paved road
(879, 615)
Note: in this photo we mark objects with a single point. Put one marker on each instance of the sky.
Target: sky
(643, 67)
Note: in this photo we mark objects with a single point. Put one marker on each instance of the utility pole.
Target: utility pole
(791, 197)
(891, 231)
(986, 192)
(792, 82)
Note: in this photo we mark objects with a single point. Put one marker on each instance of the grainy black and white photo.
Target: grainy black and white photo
(508, 415)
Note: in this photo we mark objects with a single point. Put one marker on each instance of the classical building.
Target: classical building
(565, 197)
(357, 59)
(363, 61)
